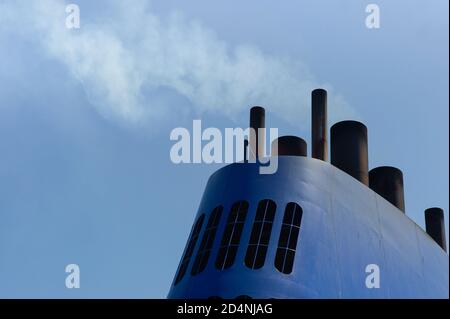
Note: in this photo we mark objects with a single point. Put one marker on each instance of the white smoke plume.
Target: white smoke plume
(124, 63)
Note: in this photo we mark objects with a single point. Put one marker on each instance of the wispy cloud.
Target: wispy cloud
(127, 61)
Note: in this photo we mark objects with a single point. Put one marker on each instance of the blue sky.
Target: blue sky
(85, 118)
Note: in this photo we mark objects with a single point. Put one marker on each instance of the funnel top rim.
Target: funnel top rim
(349, 123)
(386, 168)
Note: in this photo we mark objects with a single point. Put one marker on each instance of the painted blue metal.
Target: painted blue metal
(345, 227)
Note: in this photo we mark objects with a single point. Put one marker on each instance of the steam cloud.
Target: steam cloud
(130, 64)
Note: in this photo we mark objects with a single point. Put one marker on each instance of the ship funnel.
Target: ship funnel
(388, 182)
(289, 145)
(319, 124)
(435, 226)
(257, 121)
(349, 149)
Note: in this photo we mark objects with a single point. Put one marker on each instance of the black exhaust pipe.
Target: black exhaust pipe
(289, 145)
(245, 151)
(435, 225)
(349, 149)
(257, 121)
(319, 124)
(388, 182)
